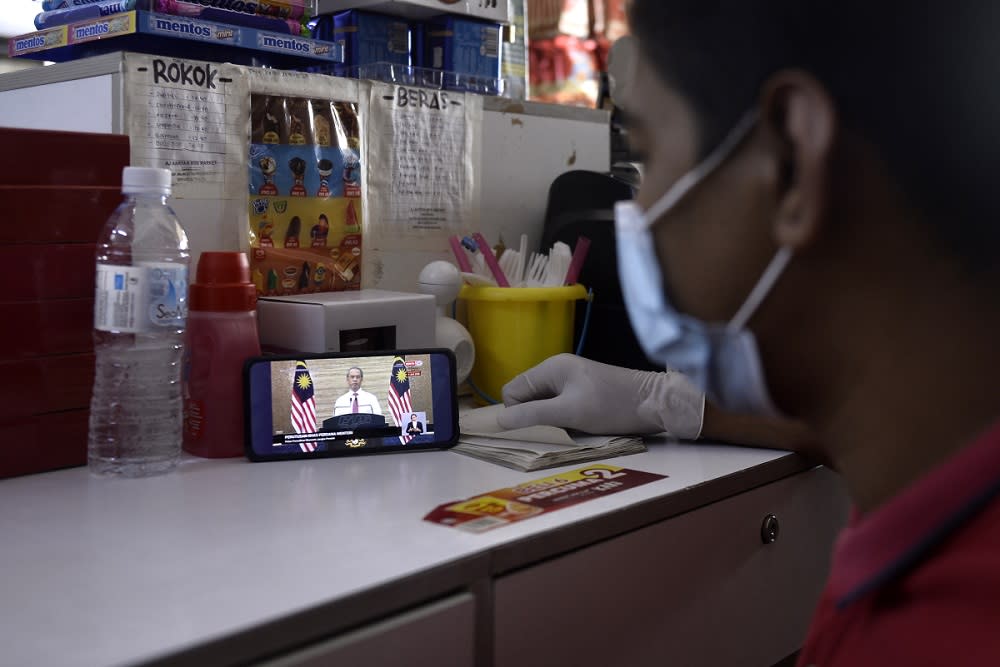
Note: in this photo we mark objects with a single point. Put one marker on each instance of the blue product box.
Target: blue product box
(418, 32)
(371, 38)
(468, 48)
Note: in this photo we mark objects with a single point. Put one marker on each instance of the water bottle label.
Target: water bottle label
(131, 299)
(120, 298)
(167, 294)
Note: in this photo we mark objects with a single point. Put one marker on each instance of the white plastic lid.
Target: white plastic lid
(146, 180)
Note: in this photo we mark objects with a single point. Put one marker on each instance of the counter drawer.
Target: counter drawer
(701, 588)
(436, 634)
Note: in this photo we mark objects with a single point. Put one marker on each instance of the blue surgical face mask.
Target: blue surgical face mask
(721, 358)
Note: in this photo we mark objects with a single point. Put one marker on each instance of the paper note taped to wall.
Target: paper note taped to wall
(190, 117)
(424, 147)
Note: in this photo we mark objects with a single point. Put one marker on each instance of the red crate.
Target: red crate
(43, 157)
(36, 214)
(45, 384)
(51, 271)
(45, 328)
(43, 442)
(58, 190)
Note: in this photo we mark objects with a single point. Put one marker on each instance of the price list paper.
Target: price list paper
(190, 117)
(424, 152)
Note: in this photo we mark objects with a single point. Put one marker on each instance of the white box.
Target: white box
(367, 320)
(490, 10)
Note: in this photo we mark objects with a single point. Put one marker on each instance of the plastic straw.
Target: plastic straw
(522, 260)
(460, 256)
(579, 257)
(491, 260)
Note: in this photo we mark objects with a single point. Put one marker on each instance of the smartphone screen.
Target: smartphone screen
(337, 404)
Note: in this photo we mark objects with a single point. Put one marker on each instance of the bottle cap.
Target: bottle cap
(146, 180)
(222, 284)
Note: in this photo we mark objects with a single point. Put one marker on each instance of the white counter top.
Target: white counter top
(106, 571)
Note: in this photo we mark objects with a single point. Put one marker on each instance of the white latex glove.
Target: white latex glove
(572, 392)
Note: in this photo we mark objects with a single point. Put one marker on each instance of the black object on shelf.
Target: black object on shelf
(581, 203)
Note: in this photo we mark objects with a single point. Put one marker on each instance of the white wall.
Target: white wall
(15, 64)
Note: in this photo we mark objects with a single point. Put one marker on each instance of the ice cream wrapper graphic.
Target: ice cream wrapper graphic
(305, 218)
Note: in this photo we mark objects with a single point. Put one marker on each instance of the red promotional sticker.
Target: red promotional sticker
(505, 506)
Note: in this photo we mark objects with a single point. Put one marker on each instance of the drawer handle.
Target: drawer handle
(769, 529)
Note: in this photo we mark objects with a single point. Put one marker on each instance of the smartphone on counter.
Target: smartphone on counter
(322, 405)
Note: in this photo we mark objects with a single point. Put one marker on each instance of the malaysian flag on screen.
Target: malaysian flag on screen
(399, 396)
(303, 404)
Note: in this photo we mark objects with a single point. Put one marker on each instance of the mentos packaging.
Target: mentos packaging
(418, 37)
(96, 10)
(280, 9)
(465, 47)
(288, 16)
(368, 38)
(50, 5)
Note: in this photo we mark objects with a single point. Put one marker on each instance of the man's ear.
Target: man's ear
(800, 116)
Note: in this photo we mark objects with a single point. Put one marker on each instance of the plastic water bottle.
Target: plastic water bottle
(140, 310)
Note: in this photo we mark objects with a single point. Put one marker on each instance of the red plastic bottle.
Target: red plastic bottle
(222, 334)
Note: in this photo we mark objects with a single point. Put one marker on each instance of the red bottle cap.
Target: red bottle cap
(222, 284)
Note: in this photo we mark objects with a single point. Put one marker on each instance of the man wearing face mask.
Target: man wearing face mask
(815, 238)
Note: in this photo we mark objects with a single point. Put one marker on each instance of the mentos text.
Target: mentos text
(183, 28)
(91, 30)
(185, 74)
(285, 44)
(35, 42)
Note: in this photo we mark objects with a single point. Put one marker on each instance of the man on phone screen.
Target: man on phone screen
(356, 400)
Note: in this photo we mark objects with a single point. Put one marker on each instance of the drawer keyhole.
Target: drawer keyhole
(769, 529)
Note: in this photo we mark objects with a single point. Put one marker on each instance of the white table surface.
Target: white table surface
(109, 571)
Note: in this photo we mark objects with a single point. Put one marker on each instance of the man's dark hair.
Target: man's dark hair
(919, 80)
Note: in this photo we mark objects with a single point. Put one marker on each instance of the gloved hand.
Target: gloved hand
(577, 393)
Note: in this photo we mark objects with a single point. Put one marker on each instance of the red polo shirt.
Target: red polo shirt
(917, 581)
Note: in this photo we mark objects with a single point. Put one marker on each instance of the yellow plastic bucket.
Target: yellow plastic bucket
(515, 328)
